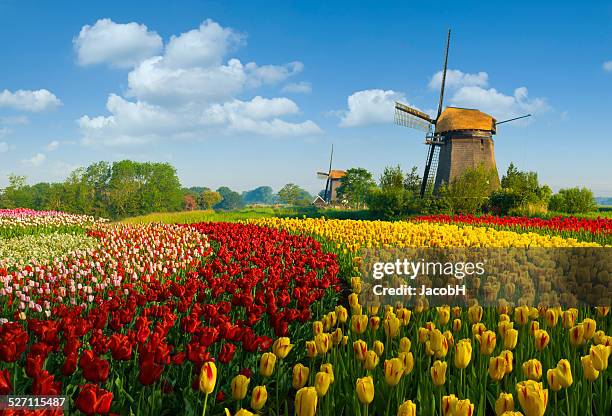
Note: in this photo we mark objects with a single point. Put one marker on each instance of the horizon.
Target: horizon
(207, 88)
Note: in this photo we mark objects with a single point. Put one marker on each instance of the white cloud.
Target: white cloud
(4, 131)
(116, 44)
(497, 104)
(192, 90)
(35, 160)
(4, 147)
(28, 100)
(607, 66)
(458, 79)
(299, 87)
(14, 120)
(52, 145)
(370, 106)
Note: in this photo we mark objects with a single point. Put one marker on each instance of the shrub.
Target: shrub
(573, 201)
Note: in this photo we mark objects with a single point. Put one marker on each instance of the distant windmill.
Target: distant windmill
(458, 138)
(332, 180)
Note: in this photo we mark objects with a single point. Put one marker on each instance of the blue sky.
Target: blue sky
(254, 93)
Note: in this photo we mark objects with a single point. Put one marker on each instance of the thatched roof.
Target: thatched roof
(337, 174)
(455, 118)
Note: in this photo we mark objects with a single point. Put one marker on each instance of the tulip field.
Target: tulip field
(262, 316)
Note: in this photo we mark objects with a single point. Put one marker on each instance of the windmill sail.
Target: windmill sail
(411, 117)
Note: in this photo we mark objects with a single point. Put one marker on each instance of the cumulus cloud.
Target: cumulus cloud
(35, 160)
(28, 100)
(370, 106)
(116, 44)
(8, 120)
(458, 79)
(607, 66)
(193, 90)
(52, 145)
(298, 88)
(498, 104)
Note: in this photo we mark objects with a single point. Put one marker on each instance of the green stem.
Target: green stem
(205, 402)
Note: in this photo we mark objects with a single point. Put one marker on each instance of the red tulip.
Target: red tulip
(93, 400)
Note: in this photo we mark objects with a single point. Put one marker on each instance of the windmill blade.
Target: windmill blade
(322, 175)
(331, 158)
(512, 119)
(444, 75)
(411, 117)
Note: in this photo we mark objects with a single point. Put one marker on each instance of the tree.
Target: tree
(573, 201)
(291, 194)
(231, 199)
(392, 177)
(189, 202)
(355, 185)
(208, 199)
(17, 194)
(520, 193)
(259, 195)
(468, 193)
(397, 196)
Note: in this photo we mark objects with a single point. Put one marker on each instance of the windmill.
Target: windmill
(332, 180)
(458, 138)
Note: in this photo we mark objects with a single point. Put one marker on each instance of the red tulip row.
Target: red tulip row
(598, 229)
(154, 304)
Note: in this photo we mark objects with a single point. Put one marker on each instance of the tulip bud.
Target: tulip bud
(551, 317)
(281, 347)
(602, 311)
(532, 369)
(329, 369)
(541, 339)
(407, 360)
(239, 387)
(457, 325)
(475, 313)
(404, 316)
(533, 327)
(306, 401)
(464, 408)
(300, 376)
(590, 373)
(322, 382)
(266, 364)
(599, 356)
(342, 314)
(449, 403)
(378, 348)
(443, 315)
(532, 397)
(375, 323)
(371, 360)
(404, 344)
(360, 348)
(487, 342)
(322, 342)
(345, 340)
(435, 339)
(504, 403)
(337, 336)
(564, 371)
(359, 323)
(423, 335)
(317, 328)
(478, 329)
(553, 379)
(510, 339)
(311, 349)
(394, 370)
(589, 326)
(391, 326)
(408, 408)
(365, 390)
(332, 318)
(569, 318)
(353, 300)
(259, 397)
(497, 368)
(463, 353)
(208, 377)
(438, 373)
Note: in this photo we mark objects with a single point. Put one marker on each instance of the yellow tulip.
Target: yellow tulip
(306, 401)
(208, 377)
(532, 397)
(569, 318)
(359, 323)
(541, 339)
(565, 373)
(497, 368)
(449, 403)
(311, 349)
(504, 403)
(239, 387)
(266, 364)
(551, 317)
(449, 337)
(360, 348)
(533, 327)
(532, 369)
(375, 323)
(322, 342)
(408, 408)
(405, 344)
(332, 318)
(353, 300)
(508, 357)
(317, 328)
(487, 342)
(391, 326)
(329, 369)
(438, 373)
(590, 373)
(443, 314)
(576, 335)
(240, 412)
(504, 317)
(322, 382)
(553, 379)
(463, 353)
(259, 397)
(393, 370)
(478, 329)
(457, 325)
(300, 376)
(599, 356)
(590, 326)
(464, 408)
(423, 335)
(475, 313)
(602, 311)
(510, 338)
(599, 337)
(371, 360)
(281, 347)
(365, 390)
(436, 338)
(521, 315)
(342, 314)
(337, 336)
(373, 309)
(404, 316)
(345, 340)
(378, 347)
(407, 360)
(457, 311)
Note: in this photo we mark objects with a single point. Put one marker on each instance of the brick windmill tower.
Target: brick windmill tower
(458, 138)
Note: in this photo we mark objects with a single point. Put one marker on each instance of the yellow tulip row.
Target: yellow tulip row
(354, 235)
